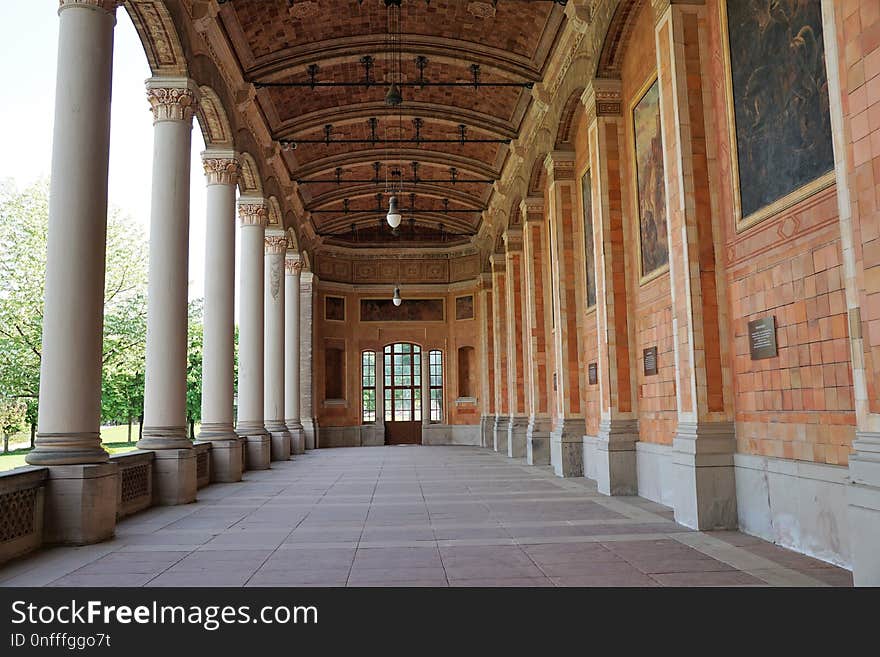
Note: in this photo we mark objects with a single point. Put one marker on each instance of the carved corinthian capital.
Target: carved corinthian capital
(275, 244)
(107, 5)
(252, 211)
(172, 99)
(221, 168)
(293, 266)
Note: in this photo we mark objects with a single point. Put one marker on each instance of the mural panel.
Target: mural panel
(464, 307)
(411, 310)
(589, 254)
(780, 102)
(648, 141)
(334, 309)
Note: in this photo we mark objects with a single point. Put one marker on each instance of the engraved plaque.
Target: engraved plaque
(649, 356)
(593, 373)
(762, 338)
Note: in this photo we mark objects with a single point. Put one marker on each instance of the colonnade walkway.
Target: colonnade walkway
(415, 516)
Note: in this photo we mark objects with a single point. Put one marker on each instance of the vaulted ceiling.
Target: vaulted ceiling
(322, 70)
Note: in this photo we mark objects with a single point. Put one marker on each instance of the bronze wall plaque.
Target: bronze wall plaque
(762, 338)
(593, 373)
(649, 356)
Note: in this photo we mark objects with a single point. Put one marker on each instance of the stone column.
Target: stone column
(81, 499)
(173, 102)
(307, 410)
(487, 362)
(704, 494)
(292, 268)
(426, 390)
(537, 328)
(857, 176)
(251, 427)
(566, 438)
(618, 423)
(518, 422)
(499, 322)
(273, 375)
(218, 339)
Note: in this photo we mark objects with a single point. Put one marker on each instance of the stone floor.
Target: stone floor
(416, 516)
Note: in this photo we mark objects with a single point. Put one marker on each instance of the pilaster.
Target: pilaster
(487, 361)
(502, 399)
(306, 342)
(516, 370)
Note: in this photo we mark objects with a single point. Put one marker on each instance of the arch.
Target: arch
(274, 212)
(159, 37)
(213, 120)
(617, 38)
(249, 182)
(514, 218)
(538, 176)
(570, 110)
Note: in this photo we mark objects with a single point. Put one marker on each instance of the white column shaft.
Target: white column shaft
(291, 346)
(250, 331)
(70, 369)
(166, 362)
(219, 320)
(273, 408)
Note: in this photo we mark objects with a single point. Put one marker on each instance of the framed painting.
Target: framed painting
(778, 112)
(334, 309)
(649, 182)
(589, 253)
(464, 307)
(411, 310)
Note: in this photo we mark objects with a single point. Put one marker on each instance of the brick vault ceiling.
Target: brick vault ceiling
(279, 42)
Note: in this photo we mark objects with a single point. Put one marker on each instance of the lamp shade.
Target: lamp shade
(393, 217)
(396, 298)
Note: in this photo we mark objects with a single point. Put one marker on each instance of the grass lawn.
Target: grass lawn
(114, 440)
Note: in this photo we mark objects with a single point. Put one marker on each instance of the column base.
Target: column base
(863, 508)
(616, 457)
(174, 476)
(81, 503)
(259, 451)
(704, 490)
(567, 448)
(517, 425)
(499, 434)
(538, 441)
(165, 438)
(67, 449)
(487, 424)
(280, 440)
(310, 431)
(297, 437)
(226, 461)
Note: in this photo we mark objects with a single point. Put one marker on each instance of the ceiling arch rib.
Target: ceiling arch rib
(403, 156)
(420, 190)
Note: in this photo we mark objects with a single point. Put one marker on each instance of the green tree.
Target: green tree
(11, 419)
(24, 219)
(194, 366)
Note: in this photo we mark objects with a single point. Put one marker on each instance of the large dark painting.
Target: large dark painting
(649, 177)
(464, 307)
(589, 255)
(334, 308)
(780, 98)
(411, 310)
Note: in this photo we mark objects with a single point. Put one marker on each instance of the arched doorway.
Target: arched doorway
(403, 394)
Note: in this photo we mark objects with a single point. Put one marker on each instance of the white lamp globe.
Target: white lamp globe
(396, 298)
(393, 217)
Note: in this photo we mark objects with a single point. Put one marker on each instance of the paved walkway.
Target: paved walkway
(416, 516)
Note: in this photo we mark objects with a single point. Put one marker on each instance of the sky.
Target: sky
(27, 67)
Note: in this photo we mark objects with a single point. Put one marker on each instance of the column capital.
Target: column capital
(306, 278)
(660, 6)
(172, 99)
(486, 281)
(106, 5)
(513, 240)
(498, 262)
(559, 166)
(602, 97)
(252, 211)
(293, 264)
(532, 209)
(221, 167)
(275, 242)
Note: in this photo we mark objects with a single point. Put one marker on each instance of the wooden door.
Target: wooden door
(403, 394)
